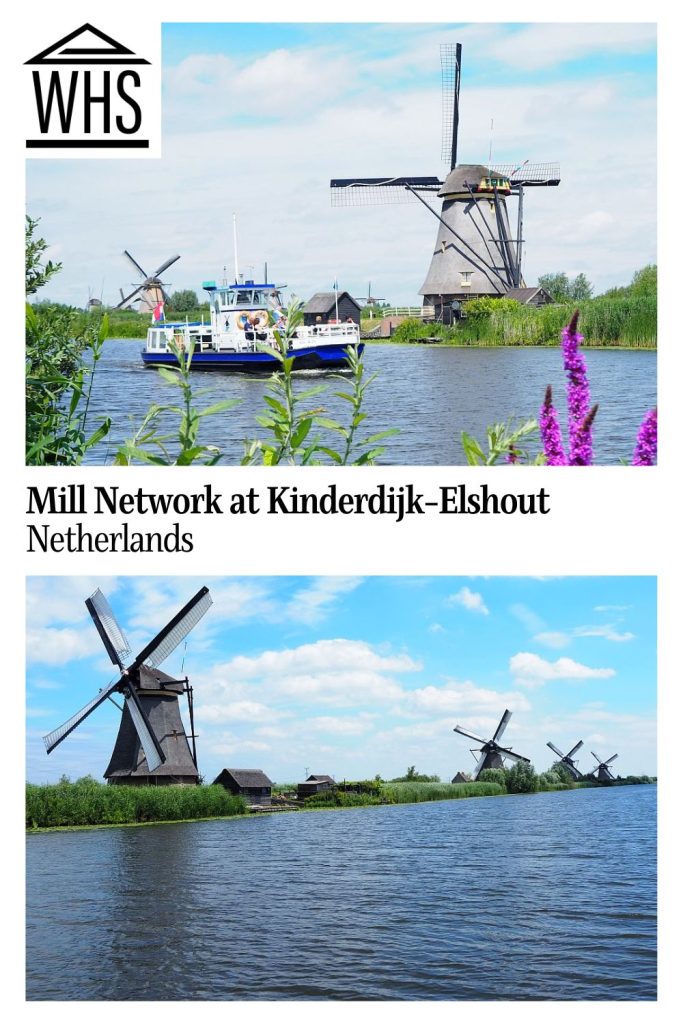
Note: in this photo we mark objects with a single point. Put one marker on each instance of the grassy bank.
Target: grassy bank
(605, 322)
(88, 802)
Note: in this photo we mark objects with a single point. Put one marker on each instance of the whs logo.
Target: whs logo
(91, 93)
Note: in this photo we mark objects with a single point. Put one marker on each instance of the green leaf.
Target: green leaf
(170, 374)
(301, 432)
(228, 403)
(335, 456)
(98, 434)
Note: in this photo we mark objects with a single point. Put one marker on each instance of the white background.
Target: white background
(604, 521)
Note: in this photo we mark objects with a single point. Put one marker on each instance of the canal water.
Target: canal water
(550, 896)
(429, 393)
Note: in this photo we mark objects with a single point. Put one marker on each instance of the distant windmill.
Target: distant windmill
(602, 771)
(475, 253)
(368, 299)
(493, 755)
(567, 759)
(151, 746)
(150, 291)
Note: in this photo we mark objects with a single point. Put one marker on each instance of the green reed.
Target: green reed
(88, 802)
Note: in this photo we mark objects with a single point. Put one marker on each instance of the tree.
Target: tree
(557, 286)
(522, 778)
(183, 301)
(497, 775)
(562, 289)
(645, 281)
(580, 288)
(37, 273)
(562, 771)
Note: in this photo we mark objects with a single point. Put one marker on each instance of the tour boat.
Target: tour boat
(240, 335)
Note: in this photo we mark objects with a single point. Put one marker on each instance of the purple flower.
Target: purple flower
(551, 435)
(580, 415)
(645, 452)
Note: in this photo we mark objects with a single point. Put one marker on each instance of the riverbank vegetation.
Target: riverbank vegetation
(89, 802)
(624, 317)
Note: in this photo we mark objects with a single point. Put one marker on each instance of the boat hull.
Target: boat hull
(312, 358)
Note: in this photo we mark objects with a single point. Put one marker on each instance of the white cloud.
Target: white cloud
(530, 670)
(605, 633)
(468, 599)
(527, 617)
(52, 646)
(339, 671)
(236, 711)
(553, 639)
(311, 604)
(465, 698)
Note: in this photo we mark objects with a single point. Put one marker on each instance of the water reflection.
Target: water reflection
(544, 897)
(431, 394)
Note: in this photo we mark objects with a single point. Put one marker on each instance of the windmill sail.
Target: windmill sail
(113, 637)
(166, 641)
(57, 735)
(151, 746)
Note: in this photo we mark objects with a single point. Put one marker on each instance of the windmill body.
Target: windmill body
(491, 752)
(474, 254)
(152, 747)
(159, 696)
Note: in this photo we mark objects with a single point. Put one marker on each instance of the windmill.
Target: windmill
(567, 759)
(603, 771)
(151, 288)
(151, 746)
(475, 254)
(492, 754)
(368, 299)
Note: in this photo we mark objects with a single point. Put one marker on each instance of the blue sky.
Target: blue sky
(356, 676)
(258, 118)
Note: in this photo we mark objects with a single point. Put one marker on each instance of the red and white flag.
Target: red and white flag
(158, 312)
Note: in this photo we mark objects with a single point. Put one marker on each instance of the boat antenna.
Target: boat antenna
(234, 238)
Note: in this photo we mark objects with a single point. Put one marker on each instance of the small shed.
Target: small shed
(530, 296)
(461, 777)
(322, 308)
(251, 783)
(315, 784)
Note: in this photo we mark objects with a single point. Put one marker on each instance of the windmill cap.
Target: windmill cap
(463, 175)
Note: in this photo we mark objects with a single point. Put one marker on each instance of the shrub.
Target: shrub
(522, 778)
(497, 775)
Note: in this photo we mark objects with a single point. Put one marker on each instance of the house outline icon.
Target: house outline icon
(111, 53)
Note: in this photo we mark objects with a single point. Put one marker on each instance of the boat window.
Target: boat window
(244, 298)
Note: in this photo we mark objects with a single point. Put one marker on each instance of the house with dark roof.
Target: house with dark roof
(315, 784)
(251, 783)
(530, 296)
(461, 777)
(326, 307)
